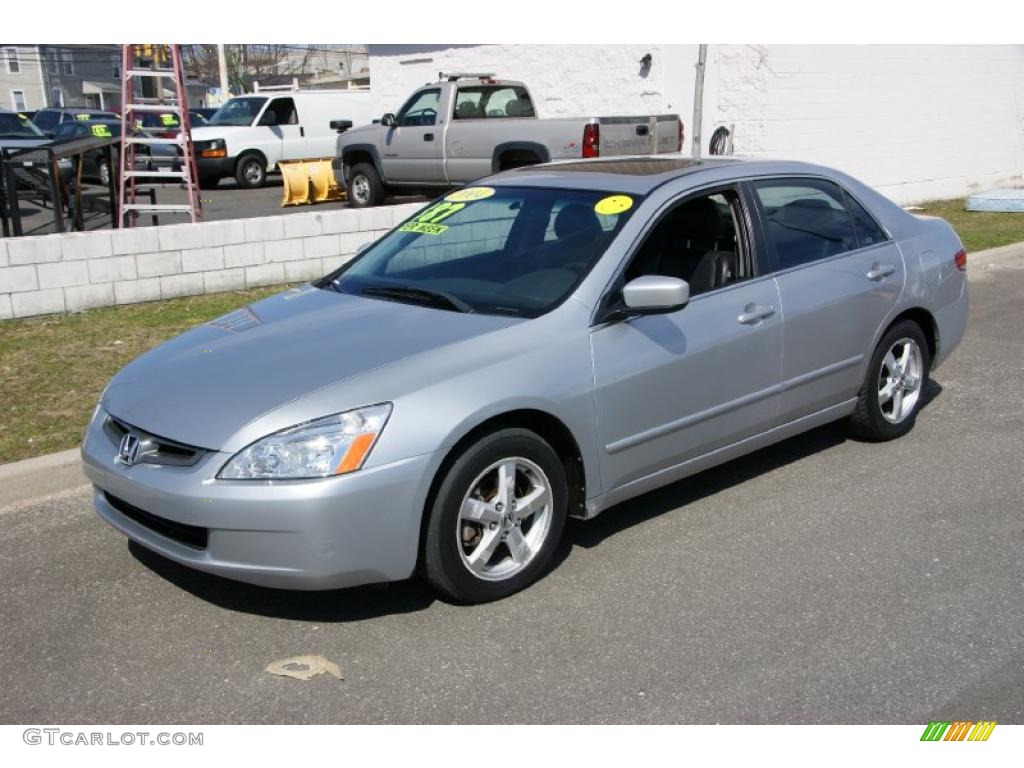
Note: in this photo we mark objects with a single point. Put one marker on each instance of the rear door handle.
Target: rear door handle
(880, 271)
(428, 137)
(754, 313)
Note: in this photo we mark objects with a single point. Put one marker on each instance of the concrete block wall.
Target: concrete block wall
(918, 122)
(77, 271)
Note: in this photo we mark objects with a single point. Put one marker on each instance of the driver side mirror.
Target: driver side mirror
(389, 120)
(655, 294)
(268, 118)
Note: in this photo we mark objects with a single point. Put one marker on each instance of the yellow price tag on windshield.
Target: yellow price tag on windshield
(83, 116)
(615, 204)
(23, 116)
(101, 131)
(168, 119)
(469, 194)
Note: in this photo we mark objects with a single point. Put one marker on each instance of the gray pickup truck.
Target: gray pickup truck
(466, 126)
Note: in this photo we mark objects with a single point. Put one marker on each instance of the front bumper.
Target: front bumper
(215, 167)
(310, 534)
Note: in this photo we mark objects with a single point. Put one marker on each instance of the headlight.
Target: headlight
(332, 445)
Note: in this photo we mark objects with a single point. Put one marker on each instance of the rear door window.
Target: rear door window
(806, 220)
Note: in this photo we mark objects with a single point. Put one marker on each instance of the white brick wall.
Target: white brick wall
(916, 121)
(76, 271)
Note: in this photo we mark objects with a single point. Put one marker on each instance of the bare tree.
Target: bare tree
(246, 63)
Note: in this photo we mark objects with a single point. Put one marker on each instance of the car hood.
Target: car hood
(202, 387)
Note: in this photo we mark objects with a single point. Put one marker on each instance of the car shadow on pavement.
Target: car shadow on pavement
(338, 605)
(591, 533)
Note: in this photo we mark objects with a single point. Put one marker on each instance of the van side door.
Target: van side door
(282, 117)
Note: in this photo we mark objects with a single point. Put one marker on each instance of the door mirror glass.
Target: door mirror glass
(652, 294)
(268, 118)
(388, 120)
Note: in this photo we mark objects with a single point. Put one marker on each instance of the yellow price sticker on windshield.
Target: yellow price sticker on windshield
(23, 116)
(469, 194)
(427, 222)
(168, 119)
(101, 131)
(613, 205)
(83, 116)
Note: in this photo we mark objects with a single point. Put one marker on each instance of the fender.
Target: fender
(369, 149)
(529, 146)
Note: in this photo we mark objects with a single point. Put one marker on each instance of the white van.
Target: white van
(248, 136)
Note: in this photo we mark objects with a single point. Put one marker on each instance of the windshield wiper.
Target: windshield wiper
(418, 296)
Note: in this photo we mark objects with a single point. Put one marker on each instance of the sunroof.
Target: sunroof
(631, 166)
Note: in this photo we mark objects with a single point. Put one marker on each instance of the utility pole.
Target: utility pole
(222, 64)
(698, 101)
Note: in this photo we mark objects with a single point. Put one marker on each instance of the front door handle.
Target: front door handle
(428, 137)
(754, 313)
(880, 271)
(302, 131)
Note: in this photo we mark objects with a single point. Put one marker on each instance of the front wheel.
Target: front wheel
(891, 395)
(103, 170)
(251, 171)
(365, 188)
(497, 518)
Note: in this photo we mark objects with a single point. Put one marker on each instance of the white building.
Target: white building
(22, 86)
(916, 121)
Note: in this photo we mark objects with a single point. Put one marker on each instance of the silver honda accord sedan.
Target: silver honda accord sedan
(550, 341)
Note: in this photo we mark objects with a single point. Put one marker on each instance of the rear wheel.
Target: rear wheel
(497, 518)
(891, 395)
(365, 188)
(251, 171)
(103, 171)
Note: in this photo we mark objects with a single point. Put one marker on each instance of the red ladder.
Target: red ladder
(133, 104)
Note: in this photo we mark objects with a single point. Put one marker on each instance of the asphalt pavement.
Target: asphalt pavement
(822, 580)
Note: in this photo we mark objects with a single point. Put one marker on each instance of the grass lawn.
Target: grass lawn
(53, 367)
(978, 230)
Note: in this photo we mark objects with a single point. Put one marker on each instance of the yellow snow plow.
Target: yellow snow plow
(309, 181)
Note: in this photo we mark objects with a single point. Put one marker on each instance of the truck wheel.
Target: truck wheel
(365, 188)
(251, 171)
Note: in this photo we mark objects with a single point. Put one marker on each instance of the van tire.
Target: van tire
(251, 171)
(365, 189)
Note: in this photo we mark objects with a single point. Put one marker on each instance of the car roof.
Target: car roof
(641, 174)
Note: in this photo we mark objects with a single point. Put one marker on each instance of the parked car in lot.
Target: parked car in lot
(51, 118)
(549, 342)
(467, 126)
(250, 135)
(95, 165)
(18, 132)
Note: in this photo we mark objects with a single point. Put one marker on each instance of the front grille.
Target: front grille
(155, 449)
(190, 535)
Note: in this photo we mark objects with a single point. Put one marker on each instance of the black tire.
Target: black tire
(868, 420)
(365, 189)
(208, 182)
(103, 172)
(443, 565)
(251, 171)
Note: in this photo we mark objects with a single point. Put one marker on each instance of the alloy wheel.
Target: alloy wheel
(900, 381)
(504, 519)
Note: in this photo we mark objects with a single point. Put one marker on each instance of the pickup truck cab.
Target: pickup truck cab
(466, 126)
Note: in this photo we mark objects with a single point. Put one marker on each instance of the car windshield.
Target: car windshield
(241, 111)
(14, 125)
(493, 250)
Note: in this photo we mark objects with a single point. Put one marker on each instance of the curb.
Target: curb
(31, 478)
(43, 475)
